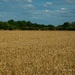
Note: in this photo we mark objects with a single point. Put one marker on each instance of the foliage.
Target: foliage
(27, 25)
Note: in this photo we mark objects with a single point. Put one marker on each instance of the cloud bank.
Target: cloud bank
(43, 11)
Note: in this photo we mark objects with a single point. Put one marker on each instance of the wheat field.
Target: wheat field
(37, 52)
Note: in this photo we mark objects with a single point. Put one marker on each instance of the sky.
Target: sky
(54, 12)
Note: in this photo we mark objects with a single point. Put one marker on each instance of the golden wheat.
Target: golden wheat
(37, 52)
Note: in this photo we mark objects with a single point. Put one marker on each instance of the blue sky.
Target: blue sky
(54, 12)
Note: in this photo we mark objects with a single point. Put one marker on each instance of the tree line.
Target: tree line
(27, 25)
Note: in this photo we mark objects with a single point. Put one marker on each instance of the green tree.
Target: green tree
(66, 26)
(4, 25)
(51, 27)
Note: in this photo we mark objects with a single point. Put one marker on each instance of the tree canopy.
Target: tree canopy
(27, 25)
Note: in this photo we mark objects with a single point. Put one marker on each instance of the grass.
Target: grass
(37, 52)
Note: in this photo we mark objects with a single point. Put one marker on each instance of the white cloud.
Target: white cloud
(30, 1)
(37, 14)
(48, 4)
(63, 9)
(70, 1)
(28, 6)
(46, 11)
(5, 0)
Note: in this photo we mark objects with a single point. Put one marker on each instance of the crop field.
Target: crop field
(37, 52)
